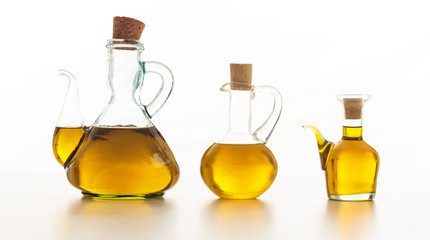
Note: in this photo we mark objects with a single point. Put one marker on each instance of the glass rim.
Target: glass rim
(227, 87)
(124, 44)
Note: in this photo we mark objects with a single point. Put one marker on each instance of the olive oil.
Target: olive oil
(238, 171)
(65, 140)
(123, 162)
(352, 167)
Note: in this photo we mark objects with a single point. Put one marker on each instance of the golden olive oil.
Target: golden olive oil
(123, 163)
(238, 171)
(352, 166)
(65, 141)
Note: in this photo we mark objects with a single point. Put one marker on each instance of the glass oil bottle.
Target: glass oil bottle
(239, 165)
(351, 165)
(122, 154)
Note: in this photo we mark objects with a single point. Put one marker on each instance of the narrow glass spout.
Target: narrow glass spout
(71, 114)
(324, 146)
(70, 126)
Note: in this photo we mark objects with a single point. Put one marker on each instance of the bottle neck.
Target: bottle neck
(352, 129)
(240, 111)
(352, 115)
(124, 74)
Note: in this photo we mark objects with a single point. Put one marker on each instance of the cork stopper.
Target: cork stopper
(240, 76)
(127, 28)
(353, 108)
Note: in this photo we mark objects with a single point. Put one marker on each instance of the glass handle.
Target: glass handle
(265, 130)
(167, 82)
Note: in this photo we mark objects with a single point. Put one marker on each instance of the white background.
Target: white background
(309, 50)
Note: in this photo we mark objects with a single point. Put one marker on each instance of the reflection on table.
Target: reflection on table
(349, 220)
(237, 219)
(88, 218)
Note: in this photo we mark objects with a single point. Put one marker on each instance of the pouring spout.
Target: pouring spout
(324, 146)
(71, 114)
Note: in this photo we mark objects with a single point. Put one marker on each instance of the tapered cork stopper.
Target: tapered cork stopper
(353, 108)
(127, 28)
(240, 76)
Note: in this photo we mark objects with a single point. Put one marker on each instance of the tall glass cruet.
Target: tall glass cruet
(122, 154)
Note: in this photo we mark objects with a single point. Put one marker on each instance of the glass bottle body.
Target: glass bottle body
(238, 171)
(123, 162)
(352, 168)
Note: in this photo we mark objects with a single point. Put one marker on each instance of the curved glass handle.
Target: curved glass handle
(167, 83)
(265, 130)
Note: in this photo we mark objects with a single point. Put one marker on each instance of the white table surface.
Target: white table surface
(41, 204)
